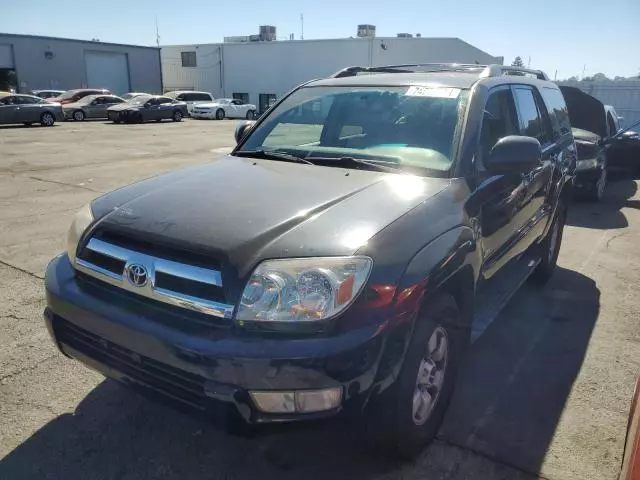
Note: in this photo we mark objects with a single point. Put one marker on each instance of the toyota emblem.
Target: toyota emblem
(137, 275)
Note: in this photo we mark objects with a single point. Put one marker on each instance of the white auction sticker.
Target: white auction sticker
(436, 92)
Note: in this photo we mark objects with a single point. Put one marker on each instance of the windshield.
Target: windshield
(139, 100)
(67, 95)
(412, 126)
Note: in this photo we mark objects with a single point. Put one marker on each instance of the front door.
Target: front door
(501, 198)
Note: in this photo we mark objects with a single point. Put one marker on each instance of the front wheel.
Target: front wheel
(47, 119)
(177, 116)
(251, 114)
(220, 114)
(78, 115)
(549, 248)
(596, 192)
(407, 416)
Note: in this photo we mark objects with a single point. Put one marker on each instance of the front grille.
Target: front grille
(175, 383)
(156, 249)
(126, 263)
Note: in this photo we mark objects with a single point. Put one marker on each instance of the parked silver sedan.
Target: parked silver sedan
(29, 109)
(91, 106)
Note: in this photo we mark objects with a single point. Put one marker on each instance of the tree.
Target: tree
(517, 62)
(599, 77)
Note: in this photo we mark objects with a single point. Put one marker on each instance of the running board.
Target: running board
(498, 291)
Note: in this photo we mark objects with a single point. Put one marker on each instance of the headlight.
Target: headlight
(82, 220)
(587, 164)
(303, 289)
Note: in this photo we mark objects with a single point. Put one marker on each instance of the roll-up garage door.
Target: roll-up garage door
(108, 70)
(6, 56)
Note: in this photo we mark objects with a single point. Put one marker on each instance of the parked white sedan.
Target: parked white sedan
(224, 108)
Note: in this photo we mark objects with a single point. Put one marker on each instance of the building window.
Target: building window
(188, 59)
(243, 97)
(266, 100)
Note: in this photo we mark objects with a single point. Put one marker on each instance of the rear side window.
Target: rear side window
(531, 121)
(558, 112)
(163, 100)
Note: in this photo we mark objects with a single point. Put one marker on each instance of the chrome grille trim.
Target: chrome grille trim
(153, 265)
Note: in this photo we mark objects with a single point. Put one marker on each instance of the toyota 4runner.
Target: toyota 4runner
(342, 258)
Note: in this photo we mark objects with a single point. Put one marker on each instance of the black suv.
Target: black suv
(341, 258)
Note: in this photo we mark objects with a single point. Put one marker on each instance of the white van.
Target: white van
(190, 97)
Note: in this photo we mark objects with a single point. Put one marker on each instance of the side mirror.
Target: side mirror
(514, 154)
(242, 128)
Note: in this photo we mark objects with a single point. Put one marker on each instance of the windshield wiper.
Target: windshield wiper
(272, 155)
(379, 165)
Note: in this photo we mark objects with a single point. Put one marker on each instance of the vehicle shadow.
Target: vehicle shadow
(507, 405)
(607, 214)
(35, 125)
(515, 386)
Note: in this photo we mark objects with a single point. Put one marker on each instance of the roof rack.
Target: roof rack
(483, 70)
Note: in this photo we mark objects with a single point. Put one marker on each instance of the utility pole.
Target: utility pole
(157, 33)
(555, 75)
(529, 62)
(584, 68)
(301, 26)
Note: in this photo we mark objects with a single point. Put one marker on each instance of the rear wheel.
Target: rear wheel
(220, 114)
(47, 119)
(177, 116)
(78, 115)
(407, 416)
(549, 248)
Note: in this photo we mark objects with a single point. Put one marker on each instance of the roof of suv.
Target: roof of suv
(443, 74)
(450, 79)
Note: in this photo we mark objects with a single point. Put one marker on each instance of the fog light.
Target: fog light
(274, 402)
(318, 400)
(306, 401)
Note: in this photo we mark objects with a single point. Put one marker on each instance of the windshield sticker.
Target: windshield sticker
(415, 91)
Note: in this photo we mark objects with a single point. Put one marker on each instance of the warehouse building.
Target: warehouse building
(31, 62)
(258, 72)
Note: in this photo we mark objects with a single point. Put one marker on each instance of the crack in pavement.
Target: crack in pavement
(27, 369)
(34, 275)
(64, 184)
(491, 458)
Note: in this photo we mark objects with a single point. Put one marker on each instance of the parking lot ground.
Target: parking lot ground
(544, 392)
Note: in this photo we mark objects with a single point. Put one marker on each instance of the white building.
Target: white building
(259, 72)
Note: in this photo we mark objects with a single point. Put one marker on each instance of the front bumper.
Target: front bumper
(203, 115)
(211, 370)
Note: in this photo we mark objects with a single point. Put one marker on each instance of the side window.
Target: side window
(10, 100)
(115, 100)
(557, 108)
(26, 100)
(532, 123)
(188, 59)
(499, 120)
(162, 101)
(201, 97)
(243, 97)
(181, 97)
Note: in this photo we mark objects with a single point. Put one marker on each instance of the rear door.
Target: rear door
(534, 122)
(29, 109)
(94, 108)
(165, 108)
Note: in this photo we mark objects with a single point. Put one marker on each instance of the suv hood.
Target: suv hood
(585, 112)
(240, 211)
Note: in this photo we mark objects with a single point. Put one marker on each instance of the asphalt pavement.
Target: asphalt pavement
(544, 392)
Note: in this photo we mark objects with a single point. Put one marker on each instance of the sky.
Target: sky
(561, 37)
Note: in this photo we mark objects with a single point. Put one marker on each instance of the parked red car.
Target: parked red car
(71, 96)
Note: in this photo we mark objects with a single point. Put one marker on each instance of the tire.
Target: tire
(116, 121)
(47, 119)
(27, 124)
(549, 248)
(251, 114)
(596, 192)
(78, 115)
(398, 421)
(177, 116)
(220, 114)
